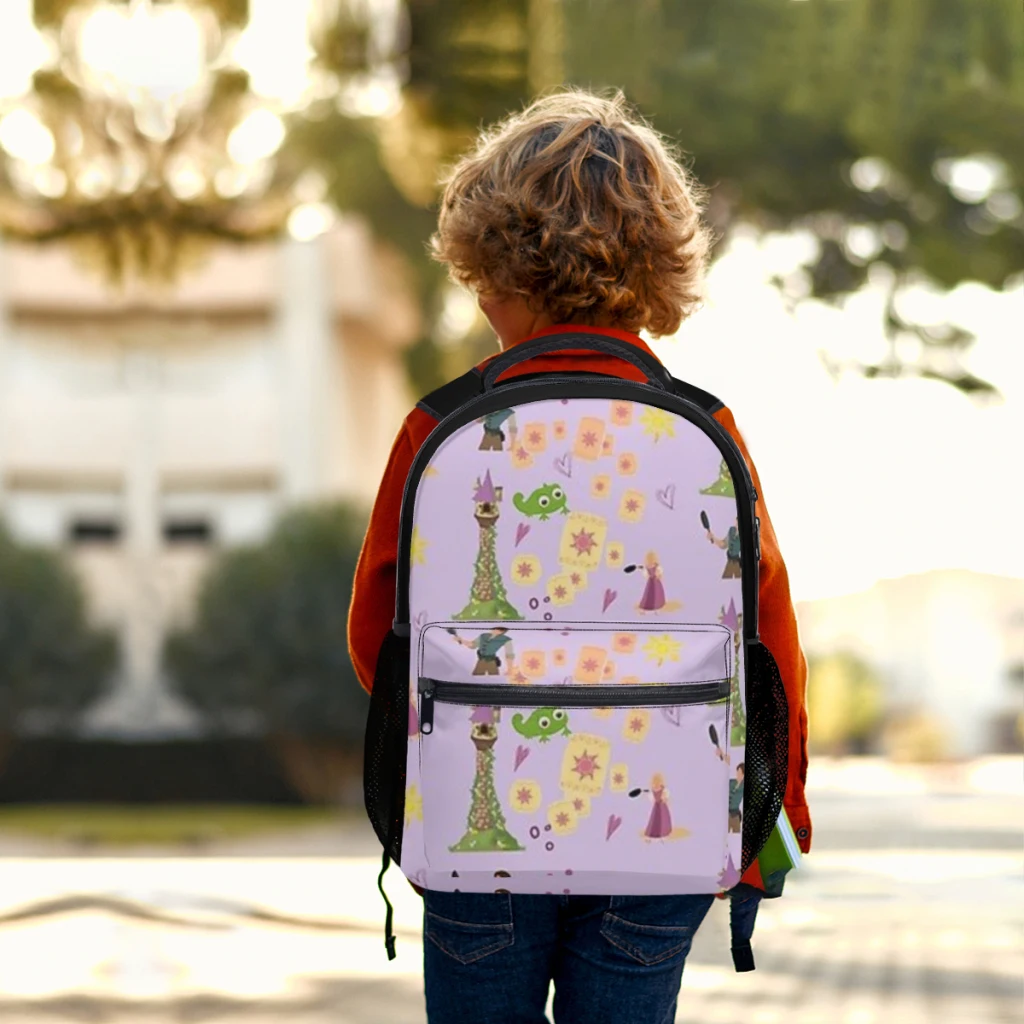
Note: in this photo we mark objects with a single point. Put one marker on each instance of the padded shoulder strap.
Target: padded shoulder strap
(704, 399)
(453, 395)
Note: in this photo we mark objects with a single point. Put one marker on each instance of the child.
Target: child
(571, 212)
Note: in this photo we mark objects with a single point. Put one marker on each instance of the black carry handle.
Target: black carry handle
(655, 373)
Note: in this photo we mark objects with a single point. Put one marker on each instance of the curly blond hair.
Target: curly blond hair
(579, 206)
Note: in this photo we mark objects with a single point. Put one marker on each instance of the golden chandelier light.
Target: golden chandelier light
(142, 131)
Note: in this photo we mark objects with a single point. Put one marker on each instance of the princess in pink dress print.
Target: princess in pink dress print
(653, 598)
(659, 825)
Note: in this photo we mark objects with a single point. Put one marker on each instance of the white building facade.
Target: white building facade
(142, 432)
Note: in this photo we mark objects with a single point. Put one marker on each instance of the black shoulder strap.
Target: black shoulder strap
(456, 393)
(453, 395)
(704, 399)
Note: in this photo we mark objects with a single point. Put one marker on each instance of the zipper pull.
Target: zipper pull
(757, 536)
(426, 706)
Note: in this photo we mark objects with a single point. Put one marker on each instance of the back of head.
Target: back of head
(578, 206)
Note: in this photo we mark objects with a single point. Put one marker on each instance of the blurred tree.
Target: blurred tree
(53, 664)
(267, 648)
(893, 130)
(844, 704)
(467, 63)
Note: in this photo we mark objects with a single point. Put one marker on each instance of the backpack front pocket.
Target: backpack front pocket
(620, 786)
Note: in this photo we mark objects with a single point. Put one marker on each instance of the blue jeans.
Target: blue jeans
(489, 958)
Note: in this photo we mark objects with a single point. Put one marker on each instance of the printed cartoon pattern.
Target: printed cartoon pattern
(487, 598)
(647, 652)
(620, 546)
(485, 826)
(494, 438)
(734, 621)
(543, 502)
(659, 824)
(542, 724)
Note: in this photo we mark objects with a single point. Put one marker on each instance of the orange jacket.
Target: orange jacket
(373, 595)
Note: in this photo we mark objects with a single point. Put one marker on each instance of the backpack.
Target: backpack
(573, 697)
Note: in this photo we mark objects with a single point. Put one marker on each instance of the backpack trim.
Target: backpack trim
(450, 397)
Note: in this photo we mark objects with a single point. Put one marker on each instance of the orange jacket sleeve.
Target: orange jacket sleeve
(778, 629)
(373, 590)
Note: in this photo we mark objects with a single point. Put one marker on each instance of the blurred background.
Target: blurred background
(215, 309)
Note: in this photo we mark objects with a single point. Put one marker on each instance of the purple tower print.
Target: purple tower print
(487, 597)
(486, 831)
(733, 620)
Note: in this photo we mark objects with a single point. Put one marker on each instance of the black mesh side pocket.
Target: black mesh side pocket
(387, 737)
(766, 760)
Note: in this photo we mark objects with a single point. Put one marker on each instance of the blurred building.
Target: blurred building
(949, 643)
(143, 431)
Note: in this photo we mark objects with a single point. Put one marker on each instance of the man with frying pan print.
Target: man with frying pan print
(730, 543)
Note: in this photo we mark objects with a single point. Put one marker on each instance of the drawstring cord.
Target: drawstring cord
(389, 935)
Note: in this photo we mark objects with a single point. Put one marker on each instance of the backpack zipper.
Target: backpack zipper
(573, 696)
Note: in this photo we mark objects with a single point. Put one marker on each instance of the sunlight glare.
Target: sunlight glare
(25, 137)
(256, 137)
(159, 52)
(22, 49)
(971, 179)
(49, 181)
(376, 95)
(1004, 206)
(863, 242)
(231, 182)
(186, 179)
(458, 315)
(274, 50)
(870, 173)
(96, 179)
(744, 337)
(309, 221)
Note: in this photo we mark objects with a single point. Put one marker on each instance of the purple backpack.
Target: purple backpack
(573, 697)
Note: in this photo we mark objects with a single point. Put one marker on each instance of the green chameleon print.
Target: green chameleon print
(542, 724)
(543, 502)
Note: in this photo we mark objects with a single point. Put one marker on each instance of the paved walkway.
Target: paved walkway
(909, 912)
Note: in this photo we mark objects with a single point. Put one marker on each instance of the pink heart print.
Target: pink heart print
(614, 821)
(667, 496)
(564, 465)
(609, 597)
(522, 753)
(521, 531)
